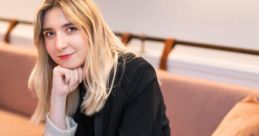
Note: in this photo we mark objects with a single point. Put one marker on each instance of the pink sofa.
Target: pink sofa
(195, 107)
(16, 102)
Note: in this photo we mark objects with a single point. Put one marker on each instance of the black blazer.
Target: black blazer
(134, 108)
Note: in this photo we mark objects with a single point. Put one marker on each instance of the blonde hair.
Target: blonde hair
(103, 53)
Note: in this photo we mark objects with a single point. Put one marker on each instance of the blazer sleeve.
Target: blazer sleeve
(52, 130)
(144, 109)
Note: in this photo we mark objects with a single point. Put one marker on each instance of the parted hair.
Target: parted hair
(103, 51)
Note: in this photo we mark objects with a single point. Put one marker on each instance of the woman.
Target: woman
(86, 81)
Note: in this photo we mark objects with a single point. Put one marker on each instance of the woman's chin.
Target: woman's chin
(70, 66)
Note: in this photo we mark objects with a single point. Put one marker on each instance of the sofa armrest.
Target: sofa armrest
(16, 65)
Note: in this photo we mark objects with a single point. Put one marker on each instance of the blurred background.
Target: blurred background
(231, 24)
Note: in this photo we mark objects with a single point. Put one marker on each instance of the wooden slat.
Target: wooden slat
(18, 20)
(11, 26)
(169, 45)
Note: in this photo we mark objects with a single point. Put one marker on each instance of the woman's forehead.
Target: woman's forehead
(55, 17)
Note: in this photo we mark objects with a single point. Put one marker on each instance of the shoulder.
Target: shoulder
(136, 75)
(136, 68)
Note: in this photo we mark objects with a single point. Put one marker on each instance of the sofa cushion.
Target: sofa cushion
(242, 120)
(195, 106)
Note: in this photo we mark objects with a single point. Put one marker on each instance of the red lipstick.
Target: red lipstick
(65, 57)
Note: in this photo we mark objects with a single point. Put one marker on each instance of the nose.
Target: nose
(61, 43)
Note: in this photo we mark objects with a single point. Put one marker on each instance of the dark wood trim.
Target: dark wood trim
(169, 45)
(218, 47)
(196, 44)
(125, 38)
(19, 21)
(11, 26)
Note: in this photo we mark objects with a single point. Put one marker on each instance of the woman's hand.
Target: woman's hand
(64, 82)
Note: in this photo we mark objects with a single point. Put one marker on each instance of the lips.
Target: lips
(65, 56)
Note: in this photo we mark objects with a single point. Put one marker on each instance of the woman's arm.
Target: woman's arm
(57, 113)
(144, 112)
(52, 130)
(64, 81)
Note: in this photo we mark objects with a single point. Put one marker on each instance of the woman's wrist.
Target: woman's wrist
(57, 112)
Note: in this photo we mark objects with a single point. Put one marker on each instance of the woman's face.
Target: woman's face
(65, 43)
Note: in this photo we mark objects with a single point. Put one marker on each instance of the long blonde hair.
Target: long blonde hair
(103, 53)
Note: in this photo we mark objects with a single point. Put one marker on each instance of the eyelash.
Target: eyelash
(71, 29)
(46, 34)
(68, 30)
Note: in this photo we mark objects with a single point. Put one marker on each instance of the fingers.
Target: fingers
(67, 78)
(73, 78)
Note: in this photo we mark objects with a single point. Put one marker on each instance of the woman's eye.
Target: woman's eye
(71, 29)
(48, 34)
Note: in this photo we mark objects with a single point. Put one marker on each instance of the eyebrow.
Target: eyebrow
(63, 26)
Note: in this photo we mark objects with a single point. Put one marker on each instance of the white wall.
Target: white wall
(21, 9)
(228, 22)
